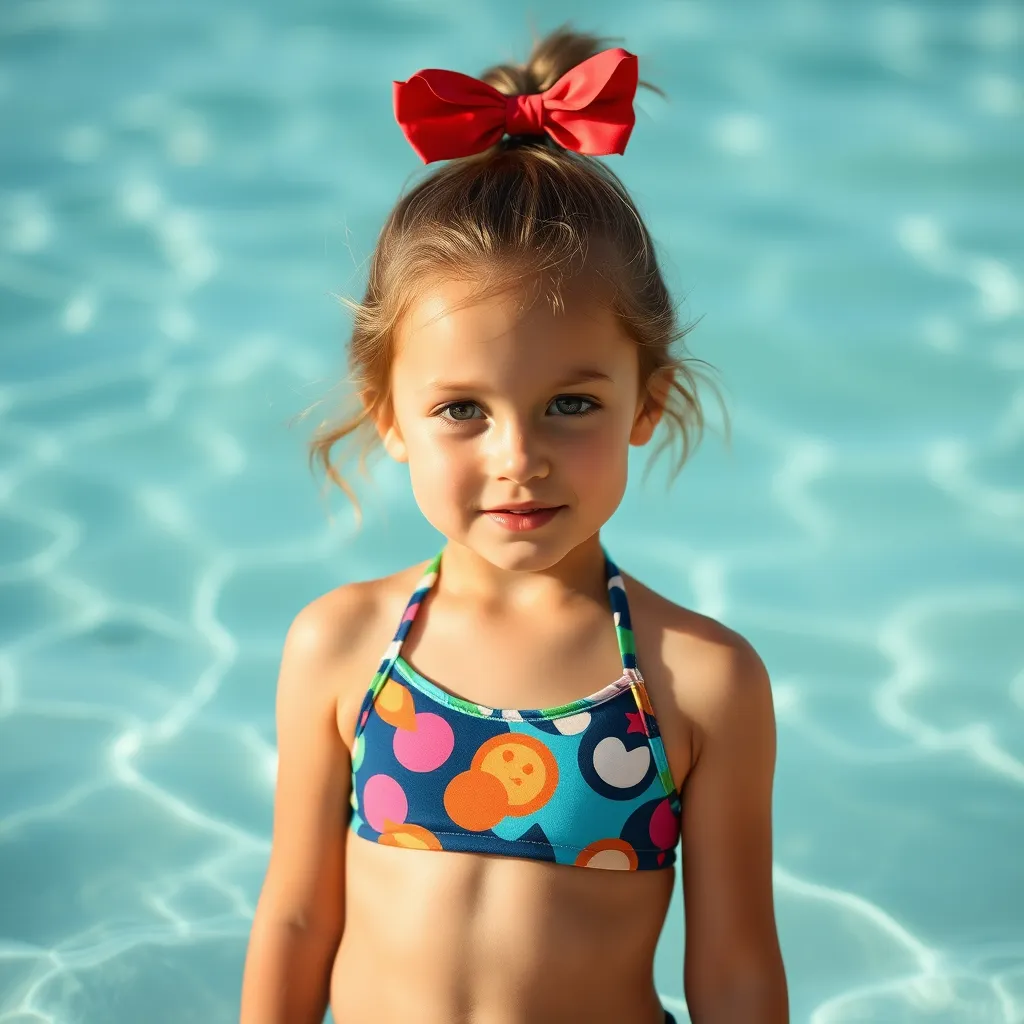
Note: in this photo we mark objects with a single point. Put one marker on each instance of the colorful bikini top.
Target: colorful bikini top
(586, 783)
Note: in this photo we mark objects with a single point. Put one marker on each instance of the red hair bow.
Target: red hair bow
(445, 114)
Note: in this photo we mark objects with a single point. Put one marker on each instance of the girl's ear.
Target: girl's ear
(650, 405)
(386, 422)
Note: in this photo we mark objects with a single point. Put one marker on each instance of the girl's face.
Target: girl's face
(493, 406)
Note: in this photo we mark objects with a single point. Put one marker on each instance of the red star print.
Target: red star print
(636, 722)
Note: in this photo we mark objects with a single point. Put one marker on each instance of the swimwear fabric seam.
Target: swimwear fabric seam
(534, 842)
(526, 714)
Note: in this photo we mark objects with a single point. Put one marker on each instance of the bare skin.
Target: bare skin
(389, 934)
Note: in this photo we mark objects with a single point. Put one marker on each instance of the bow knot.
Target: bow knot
(445, 114)
(524, 114)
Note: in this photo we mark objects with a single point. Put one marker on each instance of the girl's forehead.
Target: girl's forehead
(451, 322)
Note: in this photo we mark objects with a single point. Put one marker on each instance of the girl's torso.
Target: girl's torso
(432, 935)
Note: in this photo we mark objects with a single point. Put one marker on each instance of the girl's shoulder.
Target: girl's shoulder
(353, 612)
(335, 642)
(708, 671)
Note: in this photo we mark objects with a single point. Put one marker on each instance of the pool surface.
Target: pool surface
(838, 191)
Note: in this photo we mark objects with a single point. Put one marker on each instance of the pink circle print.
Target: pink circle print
(426, 748)
(384, 800)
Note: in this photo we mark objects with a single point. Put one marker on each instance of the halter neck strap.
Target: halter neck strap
(620, 614)
(616, 595)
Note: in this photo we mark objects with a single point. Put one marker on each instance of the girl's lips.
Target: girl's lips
(520, 506)
(518, 521)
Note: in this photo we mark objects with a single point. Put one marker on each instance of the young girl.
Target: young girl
(457, 826)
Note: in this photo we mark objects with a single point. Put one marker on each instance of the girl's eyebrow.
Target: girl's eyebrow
(582, 376)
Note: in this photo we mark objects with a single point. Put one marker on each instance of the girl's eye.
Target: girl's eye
(566, 406)
(574, 405)
(460, 411)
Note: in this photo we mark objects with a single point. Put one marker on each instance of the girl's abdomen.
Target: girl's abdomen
(443, 937)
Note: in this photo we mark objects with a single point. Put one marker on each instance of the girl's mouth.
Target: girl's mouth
(522, 519)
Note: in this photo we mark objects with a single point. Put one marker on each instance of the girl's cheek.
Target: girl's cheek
(590, 452)
(446, 452)
(447, 465)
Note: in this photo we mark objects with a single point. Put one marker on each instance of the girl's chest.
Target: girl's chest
(516, 665)
(527, 664)
(535, 665)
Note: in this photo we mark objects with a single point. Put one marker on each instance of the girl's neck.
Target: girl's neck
(466, 576)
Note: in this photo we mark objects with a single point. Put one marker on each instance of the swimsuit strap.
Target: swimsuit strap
(627, 649)
(616, 595)
(426, 581)
(620, 614)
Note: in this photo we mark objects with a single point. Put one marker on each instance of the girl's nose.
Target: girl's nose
(516, 453)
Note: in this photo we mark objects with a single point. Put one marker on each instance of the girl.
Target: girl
(457, 826)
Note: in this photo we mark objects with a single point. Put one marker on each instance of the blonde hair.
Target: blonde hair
(525, 209)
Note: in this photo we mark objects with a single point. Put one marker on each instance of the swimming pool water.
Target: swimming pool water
(837, 189)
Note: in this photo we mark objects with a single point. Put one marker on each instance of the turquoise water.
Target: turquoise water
(838, 191)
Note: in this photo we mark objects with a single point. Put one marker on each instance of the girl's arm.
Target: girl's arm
(300, 914)
(733, 968)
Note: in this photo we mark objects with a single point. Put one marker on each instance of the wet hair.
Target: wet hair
(525, 211)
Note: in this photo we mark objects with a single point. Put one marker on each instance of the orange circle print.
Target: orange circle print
(525, 767)
(615, 854)
(475, 800)
(410, 837)
(394, 705)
